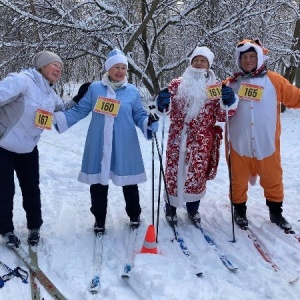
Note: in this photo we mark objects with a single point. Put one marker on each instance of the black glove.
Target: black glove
(81, 92)
(228, 96)
(163, 100)
(152, 120)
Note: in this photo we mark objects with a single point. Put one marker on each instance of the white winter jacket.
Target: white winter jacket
(21, 94)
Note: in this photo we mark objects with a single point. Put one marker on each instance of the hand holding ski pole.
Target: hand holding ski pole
(153, 120)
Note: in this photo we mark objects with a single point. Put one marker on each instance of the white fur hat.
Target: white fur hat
(115, 56)
(203, 51)
(43, 58)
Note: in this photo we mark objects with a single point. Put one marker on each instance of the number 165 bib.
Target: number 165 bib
(250, 92)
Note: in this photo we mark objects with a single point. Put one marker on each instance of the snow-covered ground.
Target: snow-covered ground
(66, 248)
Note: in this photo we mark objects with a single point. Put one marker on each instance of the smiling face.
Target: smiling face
(200, 62)
(117, 72)
(52, 72)
(248, 61)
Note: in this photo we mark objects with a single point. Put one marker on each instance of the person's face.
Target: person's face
(117, 72)
(248, 61)
(200, 62)
(52, 72)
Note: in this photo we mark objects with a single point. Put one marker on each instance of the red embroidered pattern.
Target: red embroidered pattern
(202, 144)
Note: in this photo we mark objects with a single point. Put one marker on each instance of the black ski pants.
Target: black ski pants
(26, 167)
(99, 200)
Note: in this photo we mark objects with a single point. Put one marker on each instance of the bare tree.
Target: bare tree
(157, 36)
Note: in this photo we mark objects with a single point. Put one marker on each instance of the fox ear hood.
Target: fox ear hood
(251, 45)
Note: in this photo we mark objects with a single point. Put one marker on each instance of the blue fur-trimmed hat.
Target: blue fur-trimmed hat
(115, 56)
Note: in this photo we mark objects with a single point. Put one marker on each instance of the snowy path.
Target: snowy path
(65, 251)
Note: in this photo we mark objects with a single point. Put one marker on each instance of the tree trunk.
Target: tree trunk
(290, 71)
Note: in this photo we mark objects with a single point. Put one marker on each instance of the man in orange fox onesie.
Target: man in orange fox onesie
(255, 129)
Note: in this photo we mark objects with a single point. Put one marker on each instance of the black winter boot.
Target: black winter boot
(240, 216)
(33, 236)
(170, 214)
(99, 226)
(276, 215)
(192, 209)
(11, 240)
(135, 222)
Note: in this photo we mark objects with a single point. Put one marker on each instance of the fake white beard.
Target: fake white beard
(192, 90)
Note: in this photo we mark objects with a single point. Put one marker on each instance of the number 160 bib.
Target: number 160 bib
(107, 106)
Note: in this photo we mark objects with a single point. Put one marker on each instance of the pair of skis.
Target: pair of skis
(98, 258)
(292, 278)
(222, 256)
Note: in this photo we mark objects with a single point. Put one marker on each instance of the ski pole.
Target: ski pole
(229, 173)
(18, 272)
(152, 180)
(152, 118)
(164, 179)
(159, 180)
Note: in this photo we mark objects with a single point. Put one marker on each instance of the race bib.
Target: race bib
(214, 91)
(107, 106)
(43, 119)
(249, 91)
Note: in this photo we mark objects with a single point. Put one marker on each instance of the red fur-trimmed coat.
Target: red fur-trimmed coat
(203, 140)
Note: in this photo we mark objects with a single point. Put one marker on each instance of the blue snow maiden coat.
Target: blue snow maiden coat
(112, 149)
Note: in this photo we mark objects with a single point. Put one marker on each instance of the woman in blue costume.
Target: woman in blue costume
(112, 150)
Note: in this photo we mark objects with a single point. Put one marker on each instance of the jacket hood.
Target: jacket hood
(244, 45)
(39, 79)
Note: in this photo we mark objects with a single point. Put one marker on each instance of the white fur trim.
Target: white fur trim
(203, 51)
(116, 59)
(60, 122)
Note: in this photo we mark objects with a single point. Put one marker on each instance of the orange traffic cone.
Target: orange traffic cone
(149, 245)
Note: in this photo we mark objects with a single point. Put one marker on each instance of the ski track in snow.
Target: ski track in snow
(66, 250)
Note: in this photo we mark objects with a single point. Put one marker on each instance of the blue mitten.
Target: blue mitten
(228, 96)
(163, 100)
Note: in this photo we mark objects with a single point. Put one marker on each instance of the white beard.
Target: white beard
(192, 90)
